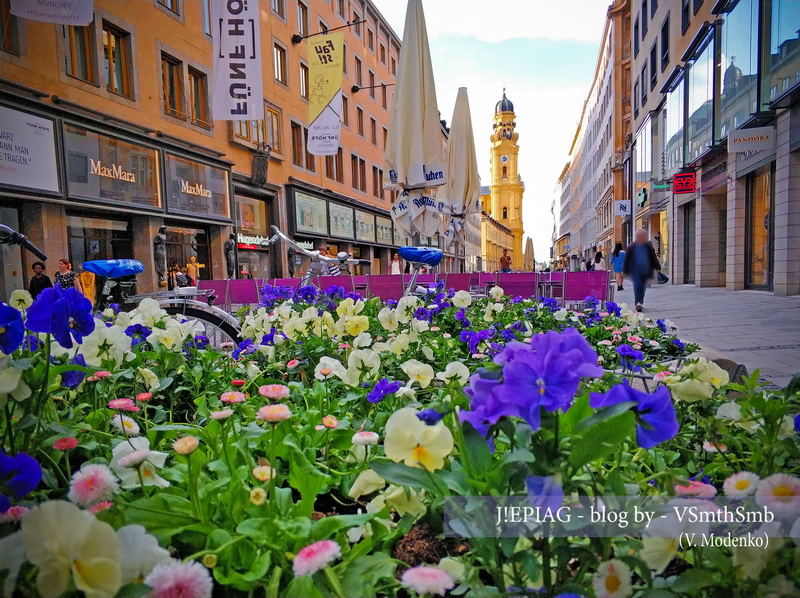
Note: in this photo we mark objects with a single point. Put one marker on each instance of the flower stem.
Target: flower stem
(336, 585)
(272, 464)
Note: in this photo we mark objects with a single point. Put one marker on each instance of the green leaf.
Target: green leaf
(477, 451)
(693, 579)
(604, 414)
(365, 571)
(133, 590)
(577, 412)
(164, 384)
(326, 527)
(171, 427)
(401, 474)
(601, 439)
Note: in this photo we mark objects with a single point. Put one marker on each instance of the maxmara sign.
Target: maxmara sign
(751, 140)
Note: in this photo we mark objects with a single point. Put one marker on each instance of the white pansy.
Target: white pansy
(496, 292)
(21, 299)
(12, 557)
(362, 340)
(462, 299)
(364, 360)
(329, 363)
(150, 379)
(367, 482)
(419, 372)
(428, 352)
(11, 382)
(405, 309)
(148, 312)
(105, 344)
(420, 325)
(388, 319)
(143, 470)
(140, 553)
(251, 369)
(400, 343)
(349, 307)
(454, 372)
(561, 315)
(406, 392)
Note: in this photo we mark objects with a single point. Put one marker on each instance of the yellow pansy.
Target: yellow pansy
(418, 372)
(355, 325)
(412, 441)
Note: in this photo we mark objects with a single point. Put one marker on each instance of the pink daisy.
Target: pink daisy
(435, 329)
(447, 335)
(344, 346)
(714, 447)
(134, 458)
(428, 580)
(65, 444)
(143, 397)
(222, 414)
(779, 492)
(237, 383)
(100, 506)
(232, 396)
(292, 363)
(123, 405)
(274, 414)
(330, 421)
(315, 557)
(93, 483)
(695, 488)
(363, 437)
(175, 579)
(103, 374)
(276, 392)
(14, 513)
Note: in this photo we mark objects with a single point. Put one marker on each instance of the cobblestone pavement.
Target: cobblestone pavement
(755, 328)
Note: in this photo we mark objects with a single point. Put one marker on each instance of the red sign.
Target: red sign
(684, 183)
(247, 246)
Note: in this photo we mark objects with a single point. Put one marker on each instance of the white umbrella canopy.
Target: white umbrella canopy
(414, 158)
(463, 188)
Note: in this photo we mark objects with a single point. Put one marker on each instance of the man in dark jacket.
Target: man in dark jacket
(39, 281)
(640, 264)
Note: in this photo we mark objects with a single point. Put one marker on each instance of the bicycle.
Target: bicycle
(220, 326)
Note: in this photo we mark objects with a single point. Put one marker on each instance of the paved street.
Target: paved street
(751, 327)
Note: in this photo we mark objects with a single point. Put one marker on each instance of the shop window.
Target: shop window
(303, 81)
(79, 52)
(784, 57)
(198, 90)
(359, 74)
(279, 60)
(302, 19)
(188, 248)
(279, 8)
(700, 133)
(206, 16)
(334, 167)
(171, 5)
(297, 145)
(8, 29)
(172, 80)
(665, 45)
(92, 238)
(345, 111)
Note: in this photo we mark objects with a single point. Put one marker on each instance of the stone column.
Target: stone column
(737, 192)
(45, 225)
(144, 230)
(707, 234)
(786, 279)
(216, 249)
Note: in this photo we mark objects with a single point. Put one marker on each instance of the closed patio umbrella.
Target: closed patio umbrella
(463, 189)
(414, 161)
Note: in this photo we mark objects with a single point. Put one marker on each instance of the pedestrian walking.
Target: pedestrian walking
(65, 277)
(599, 261)
(641, 264)
(39, 281)
(396, 267)
(505, 261)
(617, 261)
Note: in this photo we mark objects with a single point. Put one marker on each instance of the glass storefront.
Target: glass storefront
(673, 129)
(195, 188)
(252, 219)
(188, 248)
(784, 48)
(759, 229)
(700, 126)
(739, 59)
(643, 163)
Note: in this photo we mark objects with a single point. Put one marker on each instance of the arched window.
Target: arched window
(505, 213)
(505, 172)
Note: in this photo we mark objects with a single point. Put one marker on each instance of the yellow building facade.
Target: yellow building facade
(505, 202)
(494, 236)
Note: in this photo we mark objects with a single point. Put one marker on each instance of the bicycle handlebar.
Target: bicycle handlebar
(314, 255)
(8, 236)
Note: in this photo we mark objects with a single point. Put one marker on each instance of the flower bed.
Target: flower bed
(323, 455)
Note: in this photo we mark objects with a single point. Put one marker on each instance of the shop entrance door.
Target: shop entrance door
(759, 237)
(187, 248)
(10, 257)
(689, 212)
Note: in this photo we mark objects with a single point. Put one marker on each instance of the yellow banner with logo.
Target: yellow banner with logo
(326, 69)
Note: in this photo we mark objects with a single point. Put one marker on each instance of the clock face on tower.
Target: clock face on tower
(504, 159)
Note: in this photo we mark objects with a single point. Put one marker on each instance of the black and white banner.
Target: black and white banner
(63, 12)
(237, 90)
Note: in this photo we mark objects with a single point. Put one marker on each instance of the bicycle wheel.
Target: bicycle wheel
(218, 331)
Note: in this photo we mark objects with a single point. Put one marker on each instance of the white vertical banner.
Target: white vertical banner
(237, 91)
(622, 207)
(63, 12)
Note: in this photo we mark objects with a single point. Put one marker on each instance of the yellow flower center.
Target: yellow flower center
(742, 485)
(71, 322)
(146, 472)
(2, 330)
(540, 384)
(419, 452)
(783, 491)
(612, 583)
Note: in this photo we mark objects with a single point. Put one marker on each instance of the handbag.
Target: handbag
(662, 278)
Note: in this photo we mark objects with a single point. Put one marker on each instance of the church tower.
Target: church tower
(507, 187)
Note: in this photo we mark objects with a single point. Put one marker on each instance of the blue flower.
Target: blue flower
(461, 316)
(64, 313)
(381, 389)
(660, 323)
(613, 308)
(246, 347)
(422, 314)
(508, 334)
(545, 492)
(517, 299)
(655, 414)
(32, 343)
(138, 333)
(430, 416)
(72, 378)
(679, 344)
(307, 293)
(591, 301)
(391, 302)
(269, 338)
(335, 292)
(12, 330)
(629, 356)
(797, 423)
(198, 342)
(476, 338)
(568, 595)
(19, 476)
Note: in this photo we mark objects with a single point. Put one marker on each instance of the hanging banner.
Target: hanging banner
(326, 67)
(62, 12)
(622, 207)
(237, 90)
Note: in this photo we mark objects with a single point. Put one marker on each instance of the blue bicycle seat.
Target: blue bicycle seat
(421, 255)
(113, 268)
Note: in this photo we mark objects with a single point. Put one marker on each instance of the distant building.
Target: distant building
(494, 236)
(528, 258)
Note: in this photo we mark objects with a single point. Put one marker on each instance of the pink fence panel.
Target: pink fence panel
(457, 282)
(325, 282)
(579, 285)
(219, 288)
(515, 284)
(243, 292)
(385, 286)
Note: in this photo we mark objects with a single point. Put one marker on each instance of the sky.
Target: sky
(544, 53)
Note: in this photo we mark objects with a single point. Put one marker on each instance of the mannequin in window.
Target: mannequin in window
(229, 250)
